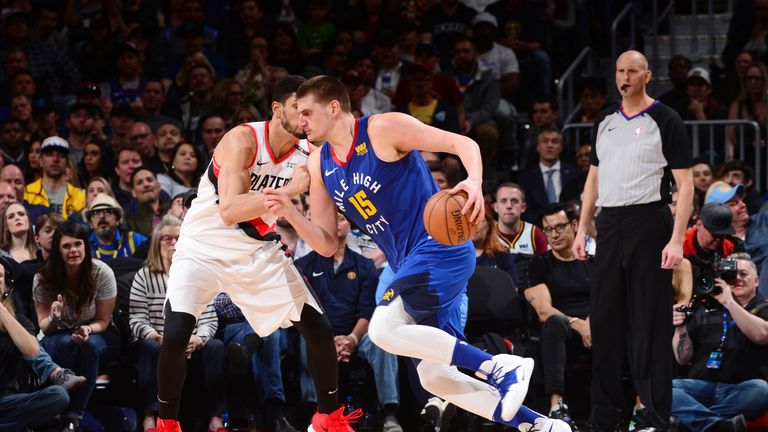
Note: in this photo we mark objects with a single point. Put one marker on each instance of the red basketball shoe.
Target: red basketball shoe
(167, 425)
(335, 421)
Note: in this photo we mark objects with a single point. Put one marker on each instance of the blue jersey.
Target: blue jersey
(385, 199)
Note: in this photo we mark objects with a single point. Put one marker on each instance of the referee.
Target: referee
(640, 145)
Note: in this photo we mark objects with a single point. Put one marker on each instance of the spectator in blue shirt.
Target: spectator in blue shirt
(107, 240)
(345, 285)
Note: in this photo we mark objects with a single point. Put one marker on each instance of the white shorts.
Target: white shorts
(266, 285)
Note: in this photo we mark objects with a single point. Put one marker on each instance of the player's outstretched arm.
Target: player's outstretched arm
(320, 233)
(424, 137)
(234, 153)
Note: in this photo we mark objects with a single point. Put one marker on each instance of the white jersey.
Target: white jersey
(204, 232)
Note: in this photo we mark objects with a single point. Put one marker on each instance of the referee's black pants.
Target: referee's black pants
(631, 312)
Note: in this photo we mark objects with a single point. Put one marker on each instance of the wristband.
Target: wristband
(354, 338)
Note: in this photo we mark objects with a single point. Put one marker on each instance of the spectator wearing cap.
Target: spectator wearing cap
(445, 22)
(721, 192)
(53, 193)
(736, 172)
(80, 125)
(711, 235)
(121, 120)
(108, 241)
(88, 92)
(482, 95)
(153, 203)
(753, 230)
(12, 140)
(700, 105)
(500, 59)
(51, 68)
(424, 105)
(126, 87)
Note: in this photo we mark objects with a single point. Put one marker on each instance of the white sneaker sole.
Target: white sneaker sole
(516, 393)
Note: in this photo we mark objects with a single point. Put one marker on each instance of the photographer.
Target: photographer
(710, 236)
(727, 349)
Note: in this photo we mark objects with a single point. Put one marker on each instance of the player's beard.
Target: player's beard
(293, 130)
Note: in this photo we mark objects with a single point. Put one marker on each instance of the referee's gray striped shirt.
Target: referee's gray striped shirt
(636, 154)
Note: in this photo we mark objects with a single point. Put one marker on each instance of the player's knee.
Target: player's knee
(430, 375)
(378, 331)
(177, 330)
(315, 327)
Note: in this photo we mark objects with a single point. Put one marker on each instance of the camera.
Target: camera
(708, 271)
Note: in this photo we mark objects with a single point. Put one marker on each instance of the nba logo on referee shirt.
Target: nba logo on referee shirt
(638, 131)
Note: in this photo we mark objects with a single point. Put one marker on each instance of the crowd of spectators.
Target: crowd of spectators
(110, 112)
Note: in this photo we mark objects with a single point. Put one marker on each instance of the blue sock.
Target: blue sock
(524, 415)
(468, 357)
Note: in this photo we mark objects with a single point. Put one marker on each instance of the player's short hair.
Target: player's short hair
(326, 89)
(286, 87)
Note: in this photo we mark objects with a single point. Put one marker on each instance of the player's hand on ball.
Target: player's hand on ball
(474, 208)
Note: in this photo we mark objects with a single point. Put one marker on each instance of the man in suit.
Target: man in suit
(544, 182)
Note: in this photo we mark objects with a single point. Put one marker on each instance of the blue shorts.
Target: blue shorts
(432, 282)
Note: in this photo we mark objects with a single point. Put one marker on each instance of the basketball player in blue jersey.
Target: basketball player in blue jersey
(370, 170)
(228, 244)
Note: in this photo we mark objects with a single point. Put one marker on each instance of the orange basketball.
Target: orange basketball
(444, 221)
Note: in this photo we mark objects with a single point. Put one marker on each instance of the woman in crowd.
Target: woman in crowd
(94, 187)
(185, 171)
(489, 250)
(146, 321)
(74, 298)
(34, 169)
(750, 105)
(16, 236)
(96, 162)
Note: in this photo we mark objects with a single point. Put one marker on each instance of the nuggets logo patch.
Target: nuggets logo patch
(361, 149)
(388, 294)
(351, 275)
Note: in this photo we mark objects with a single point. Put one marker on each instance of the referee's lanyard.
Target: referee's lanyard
(716, 357)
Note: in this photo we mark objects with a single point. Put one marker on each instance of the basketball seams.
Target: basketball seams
(448, 212)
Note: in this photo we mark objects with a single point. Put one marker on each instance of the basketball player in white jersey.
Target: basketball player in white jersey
(228, 244)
